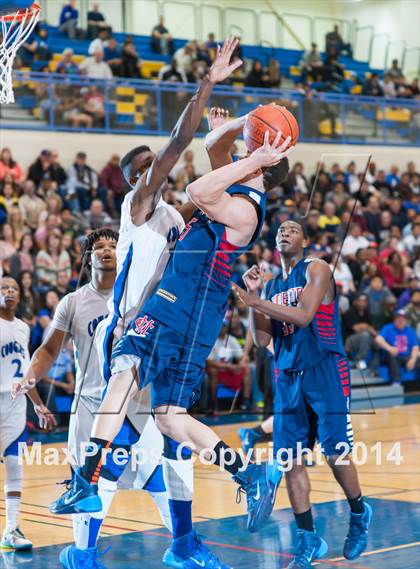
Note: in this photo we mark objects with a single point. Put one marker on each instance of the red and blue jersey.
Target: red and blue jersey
(193, 294)
(302, 348)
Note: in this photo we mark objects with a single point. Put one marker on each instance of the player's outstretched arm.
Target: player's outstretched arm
(318, 283)
(41, 362)
(187, 124)
(209, 191)
(223, 133)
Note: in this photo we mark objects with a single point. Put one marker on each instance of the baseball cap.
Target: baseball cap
(400, 312)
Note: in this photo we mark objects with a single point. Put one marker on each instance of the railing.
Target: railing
(65, 103)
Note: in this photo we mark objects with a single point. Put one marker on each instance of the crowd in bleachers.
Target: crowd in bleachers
(47, 210)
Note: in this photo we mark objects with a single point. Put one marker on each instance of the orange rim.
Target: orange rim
(20, 14)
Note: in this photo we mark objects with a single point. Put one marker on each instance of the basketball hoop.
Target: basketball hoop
(15, 30)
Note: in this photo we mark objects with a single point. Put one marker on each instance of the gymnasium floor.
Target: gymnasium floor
(136, 537)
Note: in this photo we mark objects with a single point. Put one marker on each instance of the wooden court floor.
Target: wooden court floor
(393, 489)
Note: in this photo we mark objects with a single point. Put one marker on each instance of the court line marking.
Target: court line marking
(384, 550)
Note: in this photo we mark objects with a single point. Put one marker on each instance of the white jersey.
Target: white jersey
(79, 314)
(142, 255)
(14, 353)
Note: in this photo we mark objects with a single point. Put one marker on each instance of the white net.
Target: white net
(15, 30)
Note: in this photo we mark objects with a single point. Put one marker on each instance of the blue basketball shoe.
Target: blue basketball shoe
(189, 552)
(80, 497)
(310, 547)
(260, 483)
(249, 438)
(73, 558)
(356, 540)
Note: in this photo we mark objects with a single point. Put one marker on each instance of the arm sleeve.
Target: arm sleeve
(64, 314)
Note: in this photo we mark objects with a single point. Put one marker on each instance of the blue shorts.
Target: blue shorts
(171, 362)
(314, 404)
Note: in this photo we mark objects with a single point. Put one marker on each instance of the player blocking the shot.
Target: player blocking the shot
(14, 361)
(312, 398)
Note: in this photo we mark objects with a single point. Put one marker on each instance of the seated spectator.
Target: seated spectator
(296, 180)
(378, 295)
(332, 72)
(352, 178)
(94, 105)
(59, 174)
(41, 169)
(99, 43)
(72, 112)
(43, 318)
(372, 216)
(95, 67)
(394, 273)
(328, 221)
(8, 197)
(257, 77)
(412, 284)
(388, 87)
(223, 365)
(353, 242)
(359, 333)
(342, 274)
(31, 205)
(82, 182)
(311, 64)
(411, 243)
(96, 217)
(395, 72)
(273, 74)
(130, 61)
(96, 22)
(112, 181)
(10, 166)
(372, 87)
(171, 72)
(112, 56)
(54, 259)
(24, 258)
(334, 42)
(211, 42)
(412, 311)
(185, 56)
(313, 113)
(393, 178)
(162, 41)
(66, 65)
(30, 300)
(63, 286)
(68, 19)
(400, 344)
(8, 245)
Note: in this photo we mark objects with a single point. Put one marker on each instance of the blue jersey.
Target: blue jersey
(302, 348)
(193, 293)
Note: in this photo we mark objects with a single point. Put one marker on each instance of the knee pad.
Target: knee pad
(115, 463)
(170, 448)
(14, 474)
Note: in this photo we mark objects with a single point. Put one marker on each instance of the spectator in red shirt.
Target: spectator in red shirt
(10, 166)
(393, 272)
(112, 185)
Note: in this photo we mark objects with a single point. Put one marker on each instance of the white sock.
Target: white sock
(87, 527)
(162, 504)
(12, 512)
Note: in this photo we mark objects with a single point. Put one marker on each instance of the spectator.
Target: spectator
(352, 178)
(185, 56)
(95, 67)
(51, 261)
(223, 365)
(171, 72)
(112, 56)
(130, 61)
(8, 245)
(400, 345)
(43, 318)
(412, 311)
(31, 205)
(412, 284)
(99, 43)
(392, 178)
(388, 87)
(273, 74)
(72, 111)
(311, 64)
(24, 258)
(334, 43)
(394, 273)
(41, 169)
(342, 274)
(96, 22)
(257, 76)
(161, 39)
(30, 300)
(68, 19)
(112, 181)
(372, 217)
(359, 332)
(211, 42)
(96, 218)
(411, 243)
(296, 180)
(332, 73)
(312, 223)
(395, 72)
(354, 242)
(328, 221)
(59, 174)
(82, 182)
(10, 166)
(8, 197)
(63, 283)
(66, 65)
(94, 105)
(372, 87)
(378, 295)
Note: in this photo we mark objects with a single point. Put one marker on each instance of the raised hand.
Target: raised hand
(254, 278)
(217, 117)
(222, 68)
(271, 154)
(46, 419)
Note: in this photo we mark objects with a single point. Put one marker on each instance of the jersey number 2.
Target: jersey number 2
(18, 364)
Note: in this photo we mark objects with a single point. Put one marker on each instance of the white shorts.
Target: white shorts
(12, 419)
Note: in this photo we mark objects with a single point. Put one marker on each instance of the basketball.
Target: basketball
(273, 118)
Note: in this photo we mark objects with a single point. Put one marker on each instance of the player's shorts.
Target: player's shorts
(170, 362)
(314, 404)
(12, 420)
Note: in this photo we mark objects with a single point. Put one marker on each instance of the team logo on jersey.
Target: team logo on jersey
(143, 325)
(288, 297)
(12, 348)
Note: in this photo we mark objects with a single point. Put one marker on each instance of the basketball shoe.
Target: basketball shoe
(80, 497)
(73, 558)
(310, 547)
(14, 539)
(356, 540)
(189, 552)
